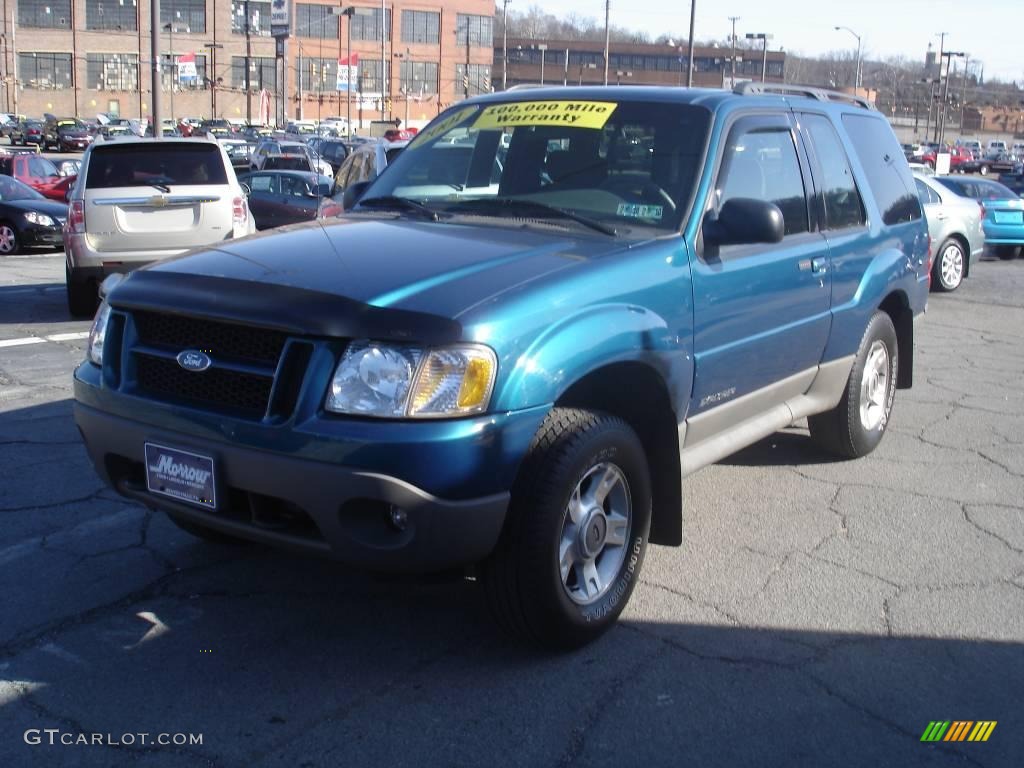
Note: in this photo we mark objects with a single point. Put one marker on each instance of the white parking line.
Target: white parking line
(41, 339)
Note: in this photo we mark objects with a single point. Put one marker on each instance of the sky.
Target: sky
(990, 31)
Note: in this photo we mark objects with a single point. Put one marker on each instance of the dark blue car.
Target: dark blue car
(521, 337)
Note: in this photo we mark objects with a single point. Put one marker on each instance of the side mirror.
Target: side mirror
(246, 189)
(353, 193)
(744, 221)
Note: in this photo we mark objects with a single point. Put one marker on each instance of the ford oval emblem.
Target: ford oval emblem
(194, 360)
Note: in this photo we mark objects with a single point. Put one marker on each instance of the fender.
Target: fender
(594, 337)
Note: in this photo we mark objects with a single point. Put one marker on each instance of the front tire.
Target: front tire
(948, 270)
(574, 540)
(855, 427)
(9, 245)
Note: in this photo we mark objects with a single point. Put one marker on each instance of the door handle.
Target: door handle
(819, 264)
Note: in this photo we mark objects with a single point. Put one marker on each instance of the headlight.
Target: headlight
(395, 381)
(39, 218)
(98, 333)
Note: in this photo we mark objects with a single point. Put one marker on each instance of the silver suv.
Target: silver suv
(141, 200)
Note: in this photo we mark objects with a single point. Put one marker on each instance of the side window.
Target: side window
(885, 167)
(368, 170)
(926, 193)
(843, 206)
(262, 183)
(762, 164)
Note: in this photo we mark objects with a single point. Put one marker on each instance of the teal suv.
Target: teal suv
(517, 342)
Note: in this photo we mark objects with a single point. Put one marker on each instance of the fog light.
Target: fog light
(398, 518)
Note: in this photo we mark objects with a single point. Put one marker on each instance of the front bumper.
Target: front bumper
(33, 234)
(324, 486)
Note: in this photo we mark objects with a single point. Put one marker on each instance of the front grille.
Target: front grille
(221, 388)
(222, 341)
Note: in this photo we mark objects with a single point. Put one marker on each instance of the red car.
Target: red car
(39, 173)
(957, 156)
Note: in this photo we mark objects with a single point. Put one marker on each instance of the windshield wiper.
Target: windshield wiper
(403, 203)
(506, 206)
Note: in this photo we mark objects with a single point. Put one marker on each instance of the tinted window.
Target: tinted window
(888, 175)
(138, 165)
(262, 183)
(843, 207)
(978, 189)
(762, 164)
(926, 193)
(40, 166)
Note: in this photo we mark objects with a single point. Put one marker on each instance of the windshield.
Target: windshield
(12, 189)
(630, 164)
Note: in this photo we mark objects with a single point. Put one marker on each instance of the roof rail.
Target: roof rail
(807, 91)
(528, 86)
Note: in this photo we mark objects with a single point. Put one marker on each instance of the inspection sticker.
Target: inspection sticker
(577, 114)
(634, 211)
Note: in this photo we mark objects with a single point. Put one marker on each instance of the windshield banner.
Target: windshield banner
(577, 114)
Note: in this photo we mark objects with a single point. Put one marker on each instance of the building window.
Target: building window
(421, 27)
(479, 78)
(775, 69)
(418, 78)
(481, 30)
(45, 70)
(187, 16)
(315, 21)
(369, 76)
(49, 14)
(366, 24)
(319, 74)
(112, 71)
(111, 14)
(262, 72)
(259, 17)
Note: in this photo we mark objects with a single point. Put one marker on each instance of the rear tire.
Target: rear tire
(950, 264)
(576, 532)
(83, 297)
(855, 427)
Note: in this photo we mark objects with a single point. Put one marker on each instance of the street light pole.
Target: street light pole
(856, 71)
(154, 55)
(211, 77)
(543, 50)
(248, 64)
(607, 36)
(764, 52)
(693, 17)
(734, 19)
(504, 44)
(349, 12)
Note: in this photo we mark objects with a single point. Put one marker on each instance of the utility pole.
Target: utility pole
(543, 51)
(945, 93)
(465, 79)
(963, 92)
(248, 64)
(154, 55)
(384, 58)
(942, 43)
(734, 19)
(607, 36)
(565, 73)
(693, 16)
(349, 12)
(504, 44)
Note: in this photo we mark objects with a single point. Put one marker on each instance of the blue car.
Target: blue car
(1002, 212)
(521, 337)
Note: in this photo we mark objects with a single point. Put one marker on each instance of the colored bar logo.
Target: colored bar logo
(958, 730)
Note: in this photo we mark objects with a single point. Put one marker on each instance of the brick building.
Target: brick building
(582, 62)
(87, 56)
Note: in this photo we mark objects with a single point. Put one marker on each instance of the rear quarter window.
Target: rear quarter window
(139, 165)
(888, 175)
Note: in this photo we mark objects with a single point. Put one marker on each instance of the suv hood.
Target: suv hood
(436, 268)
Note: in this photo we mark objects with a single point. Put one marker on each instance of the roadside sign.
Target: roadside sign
(280, 18)
(187, 68)
(348, 73)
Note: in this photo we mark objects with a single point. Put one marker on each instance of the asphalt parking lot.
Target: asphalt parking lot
(820, 613)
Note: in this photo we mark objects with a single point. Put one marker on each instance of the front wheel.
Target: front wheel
(855, 427)
(83, 296)
(9, 245)
(983, 170)
(576, 532)
(948, 270)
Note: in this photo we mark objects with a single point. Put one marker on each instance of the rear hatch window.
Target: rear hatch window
(138, 165)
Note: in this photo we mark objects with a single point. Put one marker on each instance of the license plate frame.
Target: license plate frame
(184, 476)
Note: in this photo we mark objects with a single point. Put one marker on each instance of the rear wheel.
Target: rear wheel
(948, 270)
(576, 532)
(83, 297)
(983, 170)
(855, 427)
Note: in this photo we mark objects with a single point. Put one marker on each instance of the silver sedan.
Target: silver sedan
(954, 223)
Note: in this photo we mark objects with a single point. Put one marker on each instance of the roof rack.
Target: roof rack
(807, 91)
